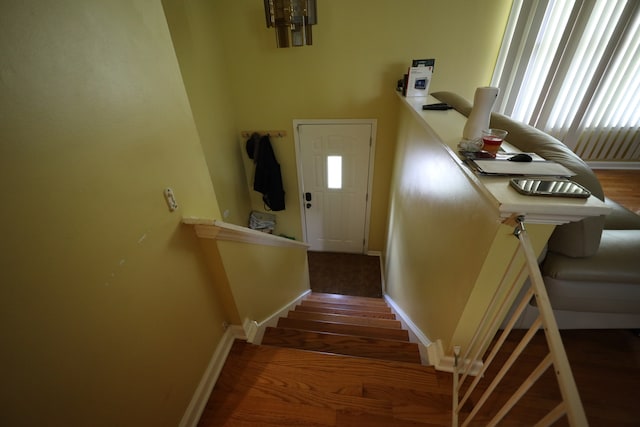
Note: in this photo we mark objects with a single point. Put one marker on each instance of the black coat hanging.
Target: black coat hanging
(268, 178)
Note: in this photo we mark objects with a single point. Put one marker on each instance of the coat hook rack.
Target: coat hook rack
(271, 133)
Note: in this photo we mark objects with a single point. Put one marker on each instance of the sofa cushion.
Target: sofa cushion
(606, 282)
(575, 239)
(593, 297)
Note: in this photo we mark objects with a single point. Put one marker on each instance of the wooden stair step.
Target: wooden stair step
(340, 318)
(236, 409)
(362, 313)
(344, 329)
(249, 372)
(272, 386)
(376, 372)
(344, 299)
(343, 344)
(351, 306)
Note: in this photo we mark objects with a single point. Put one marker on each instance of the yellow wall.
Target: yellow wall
(264, 279)
(198, 43)
(441, 230)
(256, 281)
(448, 248)
(361, 47)
(107, 313)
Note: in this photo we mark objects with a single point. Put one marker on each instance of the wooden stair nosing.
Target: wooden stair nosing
(343, 344)
(344, 299)
(383, 372)
(341, 318)
(344, 329)
(361, 313)
(354, 307)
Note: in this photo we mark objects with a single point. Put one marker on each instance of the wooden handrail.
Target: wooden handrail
(220, 230)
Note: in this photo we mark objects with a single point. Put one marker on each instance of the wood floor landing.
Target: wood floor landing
(272, 386)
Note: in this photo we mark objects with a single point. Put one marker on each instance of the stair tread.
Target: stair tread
(343, 344)
(250, 410)
(362, 313)
(273, 386)
(240, 410)
(376, 371)
(342, 318)
(345, 299)
(347, 306)
(344, 329)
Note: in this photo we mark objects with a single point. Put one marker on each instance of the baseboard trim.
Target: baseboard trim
(212, 372)
(431, 352)
(255, 330)
(445, 363)
(614, 165)
(415, 334)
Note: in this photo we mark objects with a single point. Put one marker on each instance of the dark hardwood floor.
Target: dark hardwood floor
(606, 368)
(623, 186)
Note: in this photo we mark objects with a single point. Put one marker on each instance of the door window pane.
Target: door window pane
(334, 172)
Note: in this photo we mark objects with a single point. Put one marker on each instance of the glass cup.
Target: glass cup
(492, 139)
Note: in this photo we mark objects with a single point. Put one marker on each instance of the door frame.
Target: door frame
(372, 155)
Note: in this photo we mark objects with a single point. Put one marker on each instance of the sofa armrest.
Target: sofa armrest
(620, 217)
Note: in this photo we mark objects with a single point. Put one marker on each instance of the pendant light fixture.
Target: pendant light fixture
(292, 20)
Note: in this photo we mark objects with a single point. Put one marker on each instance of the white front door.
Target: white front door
(335, 161)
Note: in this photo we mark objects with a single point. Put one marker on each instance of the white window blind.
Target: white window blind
(572, 69)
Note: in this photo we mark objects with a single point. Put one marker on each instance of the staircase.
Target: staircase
(345, 325)
(361, 371)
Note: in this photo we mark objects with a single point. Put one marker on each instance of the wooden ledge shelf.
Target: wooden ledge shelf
(220, 230)
(270, 133)
(445, 128)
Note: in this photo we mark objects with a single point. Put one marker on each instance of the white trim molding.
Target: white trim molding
(431, 352)
(415, 334)
(220, 230)
(445, 363)
(255, 330)
(212, 372)
(612, 165)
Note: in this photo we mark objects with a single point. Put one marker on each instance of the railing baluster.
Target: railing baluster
(510, 361)
(498, 344)
(571, 404)
(526, 385)
(494, 323)
(568, 389)
(553, 415)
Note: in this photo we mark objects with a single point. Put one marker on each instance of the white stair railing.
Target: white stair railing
(571, 406)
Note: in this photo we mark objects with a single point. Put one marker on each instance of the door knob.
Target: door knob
(308, 205)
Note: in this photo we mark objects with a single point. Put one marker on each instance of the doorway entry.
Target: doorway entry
(335, 174)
